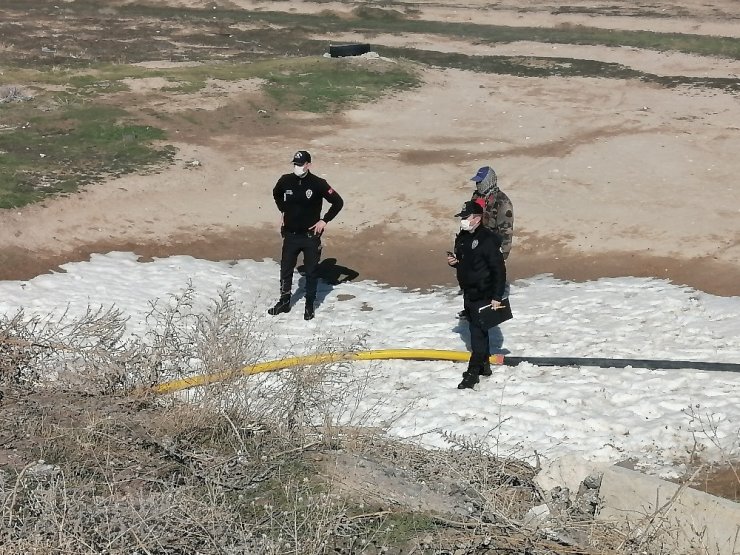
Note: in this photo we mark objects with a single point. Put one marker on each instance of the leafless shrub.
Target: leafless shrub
(220, 451)
(15, 355)
(94, 352)
(236, 469)
(182, 340)
(312, 403)
(13, 94)
(88, 351)
(706, 425)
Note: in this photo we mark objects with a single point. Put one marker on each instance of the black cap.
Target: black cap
(469, 208)
(301, 157)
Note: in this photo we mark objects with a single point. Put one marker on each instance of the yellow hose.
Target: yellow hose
(383, 354)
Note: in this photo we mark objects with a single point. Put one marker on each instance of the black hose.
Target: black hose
(625, 362)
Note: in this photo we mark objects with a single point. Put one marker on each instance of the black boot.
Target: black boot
(310, 311)
(283, 305)
(486, 370)
(470, 378)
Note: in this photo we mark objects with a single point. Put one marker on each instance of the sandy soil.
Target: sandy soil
(608, 178)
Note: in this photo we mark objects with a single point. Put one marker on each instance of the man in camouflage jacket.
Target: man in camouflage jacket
(498, 210)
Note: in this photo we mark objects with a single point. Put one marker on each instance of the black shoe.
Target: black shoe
(283, 305)
(463, 315)
(468, 381)
(486, 371)
(310, 311)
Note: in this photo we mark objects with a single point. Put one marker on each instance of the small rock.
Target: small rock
(536, 516)
(593, 481)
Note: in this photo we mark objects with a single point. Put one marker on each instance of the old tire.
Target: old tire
(341, 50)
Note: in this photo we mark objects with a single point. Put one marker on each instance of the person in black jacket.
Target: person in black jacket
(299, 196)
(481, 273)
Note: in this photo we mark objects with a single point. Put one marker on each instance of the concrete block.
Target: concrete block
(536, 516)
(688, 521)
(567, 472)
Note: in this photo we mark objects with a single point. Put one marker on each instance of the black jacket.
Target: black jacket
(300, 200)
(481, 271)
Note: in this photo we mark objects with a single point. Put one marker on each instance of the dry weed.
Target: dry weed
(241, 467)
(11, 93)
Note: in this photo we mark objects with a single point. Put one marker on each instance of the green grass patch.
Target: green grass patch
(47, 152)
(325, 85)
(371, 20)
(400, 528)
(308, 83)
(50, 153)
(530, 66)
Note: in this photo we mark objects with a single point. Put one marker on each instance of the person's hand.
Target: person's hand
(318, 227)
(495, 305)
(451, 259)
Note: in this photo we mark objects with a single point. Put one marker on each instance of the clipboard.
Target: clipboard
(488, 317)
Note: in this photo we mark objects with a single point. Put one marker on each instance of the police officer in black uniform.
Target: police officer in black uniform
(299, 196)
(481, 273)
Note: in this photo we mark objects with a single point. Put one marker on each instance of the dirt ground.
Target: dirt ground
(608, 177)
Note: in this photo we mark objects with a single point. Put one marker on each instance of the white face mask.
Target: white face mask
(300, 171)
(466, 225)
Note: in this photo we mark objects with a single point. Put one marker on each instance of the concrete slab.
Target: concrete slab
(683, 520)
(568, 472)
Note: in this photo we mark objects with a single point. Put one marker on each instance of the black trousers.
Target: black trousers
(479, 342)
(294, 244)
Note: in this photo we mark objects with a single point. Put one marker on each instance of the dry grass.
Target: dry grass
(12, 94)
(266, 464)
